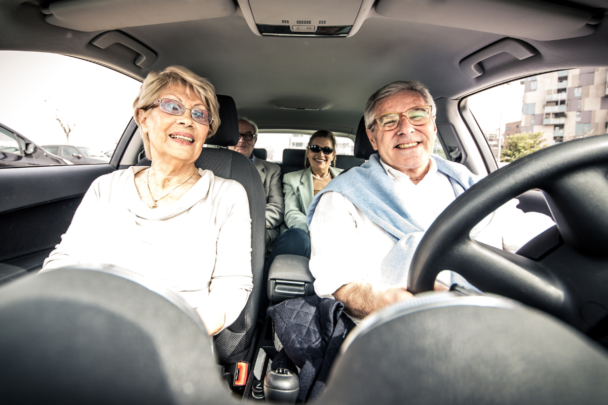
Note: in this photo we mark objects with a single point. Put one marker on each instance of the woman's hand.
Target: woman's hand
(213, 318)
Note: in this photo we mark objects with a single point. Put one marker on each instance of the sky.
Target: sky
(37, 88)
(495, 107)
(96, 100)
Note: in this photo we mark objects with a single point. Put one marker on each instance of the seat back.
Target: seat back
(234, 343)
(260, 153)
(442, 349)
(293, 160)
(346, 161)
(363, 147)
(102, 335)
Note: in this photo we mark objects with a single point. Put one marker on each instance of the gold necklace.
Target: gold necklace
(154, 205)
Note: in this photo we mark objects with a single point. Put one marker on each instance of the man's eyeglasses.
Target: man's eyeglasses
(248, 136)
(316, 149)
(176, 108)
(419, 115)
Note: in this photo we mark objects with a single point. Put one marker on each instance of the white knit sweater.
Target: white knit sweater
(199, 246)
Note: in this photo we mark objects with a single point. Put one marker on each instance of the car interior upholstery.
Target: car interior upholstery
(539, 336)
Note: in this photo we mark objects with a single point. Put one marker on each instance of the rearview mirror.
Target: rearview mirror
(30, 148)
(77, 155)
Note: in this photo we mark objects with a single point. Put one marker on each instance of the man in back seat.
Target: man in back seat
(271, 178)
(366, 224)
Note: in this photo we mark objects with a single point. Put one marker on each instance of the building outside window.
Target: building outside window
(578, 116)
(578, 91)
(583, 129)
(533, 85)
(528, 108)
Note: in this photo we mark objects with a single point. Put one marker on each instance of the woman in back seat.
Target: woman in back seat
(299, 188)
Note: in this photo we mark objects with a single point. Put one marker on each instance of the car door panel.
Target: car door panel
(36, 208)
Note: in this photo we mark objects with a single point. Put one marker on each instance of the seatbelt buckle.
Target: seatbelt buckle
(240, 374)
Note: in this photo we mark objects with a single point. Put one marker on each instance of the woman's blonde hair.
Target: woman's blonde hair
(156, 82)
(323, 133)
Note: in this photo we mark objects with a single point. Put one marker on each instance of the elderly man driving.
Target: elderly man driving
(365, 226)
(271, 178)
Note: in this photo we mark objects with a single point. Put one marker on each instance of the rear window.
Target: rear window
(276, 143)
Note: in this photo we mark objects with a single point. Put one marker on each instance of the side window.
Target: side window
(523, 116)
(53, 149)
(83, 105)
(68, 151)
(8, 143)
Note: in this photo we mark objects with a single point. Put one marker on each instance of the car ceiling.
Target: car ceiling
(336, 75)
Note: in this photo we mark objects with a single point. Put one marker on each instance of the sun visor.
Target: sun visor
(538, 20)
(101, 15)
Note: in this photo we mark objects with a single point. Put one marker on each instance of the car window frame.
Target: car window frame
(15, 138)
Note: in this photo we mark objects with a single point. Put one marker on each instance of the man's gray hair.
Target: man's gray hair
(253, 124)
(391, 89)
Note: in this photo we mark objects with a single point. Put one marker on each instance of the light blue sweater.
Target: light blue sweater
(373, 192)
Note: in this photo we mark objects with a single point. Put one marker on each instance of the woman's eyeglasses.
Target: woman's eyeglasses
(416, 116)
(316, 149)
(176, 108)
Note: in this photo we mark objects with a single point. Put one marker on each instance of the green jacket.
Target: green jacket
(298, 190)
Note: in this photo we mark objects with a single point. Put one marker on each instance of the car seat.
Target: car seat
(444, 349)
(103, 335)
(260, 153)
(234, 344)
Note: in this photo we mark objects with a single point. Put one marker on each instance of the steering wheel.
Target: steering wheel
(567, 276)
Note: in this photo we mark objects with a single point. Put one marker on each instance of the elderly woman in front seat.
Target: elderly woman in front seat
(171, 222)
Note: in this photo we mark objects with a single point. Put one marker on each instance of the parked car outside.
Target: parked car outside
(78, 154)
(17, 151)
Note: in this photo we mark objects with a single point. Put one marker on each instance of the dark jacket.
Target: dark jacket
(311, 330)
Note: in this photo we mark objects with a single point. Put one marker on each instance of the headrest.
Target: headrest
(228, 132)
(363, 147)
(466, 350)
(294, 157)
(260, 153)
(99, 335)
(346, 162)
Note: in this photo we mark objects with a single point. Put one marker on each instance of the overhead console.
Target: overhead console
(310, 18)
(528, 19)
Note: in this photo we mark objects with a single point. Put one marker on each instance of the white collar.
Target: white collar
(399, 176)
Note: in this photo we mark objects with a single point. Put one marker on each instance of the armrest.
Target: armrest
(289, 277)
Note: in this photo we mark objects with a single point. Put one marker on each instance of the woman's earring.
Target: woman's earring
(305, 160)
